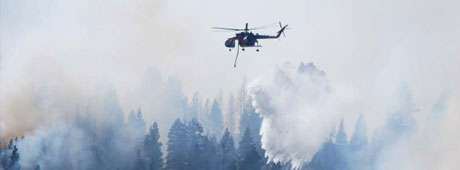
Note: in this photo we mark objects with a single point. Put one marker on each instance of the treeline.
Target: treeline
(359, 152)
(188, 147)
(207, 136)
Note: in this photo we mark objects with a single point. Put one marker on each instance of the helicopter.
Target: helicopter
(246, 38)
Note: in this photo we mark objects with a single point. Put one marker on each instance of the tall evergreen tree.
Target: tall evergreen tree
(139, 163)
(152, 148)
(194, 108)
(332, 156)
(228, 152)
(249, 157)
(202, 150)
(216, 119)
(341, 148)
(359, 157)
(204, 116)
(177, 158)
(241, 99)
(325, 158)
(14, 159)
(341, 136)
(132, 136)
(359, 138)
(211, 156)
(230, 116)
(250, 119)
(136, 126)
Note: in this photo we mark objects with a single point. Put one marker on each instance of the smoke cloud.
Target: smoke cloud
(299, 110)
(57, 57)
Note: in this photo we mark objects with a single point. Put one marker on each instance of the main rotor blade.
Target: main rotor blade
(263, 26)
(231, 29)
(220, 30)
(245, 29)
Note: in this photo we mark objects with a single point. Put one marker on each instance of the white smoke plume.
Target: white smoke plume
(299, 110)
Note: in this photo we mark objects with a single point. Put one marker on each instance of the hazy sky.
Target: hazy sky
(353, 41)
(366, 47)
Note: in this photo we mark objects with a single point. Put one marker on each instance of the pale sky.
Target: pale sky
(366, 47)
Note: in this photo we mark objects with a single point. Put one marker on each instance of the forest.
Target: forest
(208, 135)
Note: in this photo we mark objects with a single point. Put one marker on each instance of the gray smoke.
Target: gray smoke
(56, 56)
(301, 109)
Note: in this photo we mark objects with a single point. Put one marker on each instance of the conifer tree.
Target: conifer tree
(230, 116)
(152, 148)
(249, 158)
(216, 119)
(177, 158)
(341, 136)
(194, 108)
(359, 138)
(228, 152)
(139, 163)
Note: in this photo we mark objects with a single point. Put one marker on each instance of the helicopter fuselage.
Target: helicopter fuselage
(248, 39)
(245, 39)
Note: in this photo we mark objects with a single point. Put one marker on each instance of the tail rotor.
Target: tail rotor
(282, 28)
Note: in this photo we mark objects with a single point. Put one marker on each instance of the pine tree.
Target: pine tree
(250, 119)
(133, 136)
(211, 157)
(202, 151)
(136, 125)
(195, 107)
(341, 136)
(152, 148)
(341, 148)
(203, 116)
(359, 138)
(139, 163)
(177, 158)
(216, 119)
(230, 116)
(325, 158)
(228, 152)
(240, 103)
(359, 157)
(333, 156)
(249, 158)
(14, 158)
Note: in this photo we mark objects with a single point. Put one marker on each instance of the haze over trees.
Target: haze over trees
(203, 137)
